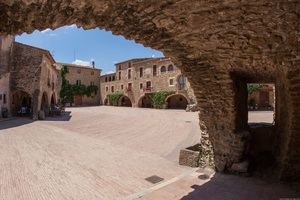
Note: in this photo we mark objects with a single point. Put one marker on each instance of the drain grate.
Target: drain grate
(154, 179)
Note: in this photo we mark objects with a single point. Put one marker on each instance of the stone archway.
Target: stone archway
(53, 99)
(207, 41)
(125, 101)
(145, 102)
(21, 103)
(45, 107)
(176, 101)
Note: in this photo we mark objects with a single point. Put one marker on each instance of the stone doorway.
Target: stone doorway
(176, 101)
(125, 101)
(21, 104)
(45, 104)
(145, 102)
(78, 100)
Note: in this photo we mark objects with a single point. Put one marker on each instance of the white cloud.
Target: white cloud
(46, 30)
(71, 26)
(108, 72)
(81, 62)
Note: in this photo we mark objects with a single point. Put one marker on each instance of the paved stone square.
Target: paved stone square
(96, 153)
(106, 153)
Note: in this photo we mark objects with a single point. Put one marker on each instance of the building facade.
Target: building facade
(5, 50)
(263, 98)
(136, 79)
(30, 84)
(84, 75)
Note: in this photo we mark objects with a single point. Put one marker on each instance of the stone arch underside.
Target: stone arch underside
(207, 41)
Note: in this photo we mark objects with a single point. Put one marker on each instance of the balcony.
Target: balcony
(147, 89)
(129, 89)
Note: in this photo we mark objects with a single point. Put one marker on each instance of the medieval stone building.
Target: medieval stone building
(137, 78)
(31, 80)
(84, 75)
(263, 98)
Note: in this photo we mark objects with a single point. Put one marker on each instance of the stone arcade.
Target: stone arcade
(219, 45)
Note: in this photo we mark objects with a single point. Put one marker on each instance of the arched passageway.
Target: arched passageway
(176, 101)
(125, 101)
(145, 102)
(208, 46)
(53, 99)
(21, 104)
(45, 104)
(106, 102)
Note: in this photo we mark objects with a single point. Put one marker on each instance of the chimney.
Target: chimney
(93, 64)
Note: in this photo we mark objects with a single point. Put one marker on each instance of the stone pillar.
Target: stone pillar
(222, 145)
(287, 122)
(35, 105)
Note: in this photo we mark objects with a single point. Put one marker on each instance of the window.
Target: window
(92, 83)
(129, 88)
(113, 78)
(0, 97)
(181, 82)
(141, 72)
(79, 71)
(109, 78)
(141, 85)
(171, 81)
(163, 69)
(119, 75)
(119, 67)
(106, 89)
(122, 87)
(92, 73)
(170, 68)
(4, 98)
(129, 73)
(154, 70)
(112, 89)
(148, 84)
(78, 82)
(105, 79)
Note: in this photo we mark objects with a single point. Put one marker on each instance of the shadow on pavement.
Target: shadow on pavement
(15, 122)
(229, 187)
(64, 117)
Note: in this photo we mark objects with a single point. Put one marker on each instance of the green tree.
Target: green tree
(252, 87)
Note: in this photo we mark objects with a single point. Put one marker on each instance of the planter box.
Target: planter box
(190, 156)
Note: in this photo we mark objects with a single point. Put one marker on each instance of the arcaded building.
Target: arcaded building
(84, 75)
(136, 79)
(30, 78)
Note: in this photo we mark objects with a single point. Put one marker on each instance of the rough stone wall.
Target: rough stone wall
(86, 75)
(207, 40)
(160, 82)
(48, 82)
(4, 92)
(32, 71)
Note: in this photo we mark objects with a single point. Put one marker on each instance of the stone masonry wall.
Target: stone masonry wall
(86, 75)
(160, 82)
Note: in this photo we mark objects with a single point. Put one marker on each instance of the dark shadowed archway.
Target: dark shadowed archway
(21, 103)
(125, 102)
(176, 101)
(45, 104)
(145, 102)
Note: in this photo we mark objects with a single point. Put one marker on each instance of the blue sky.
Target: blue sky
(70, 44)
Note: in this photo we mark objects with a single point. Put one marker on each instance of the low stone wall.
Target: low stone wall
(189, 156)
